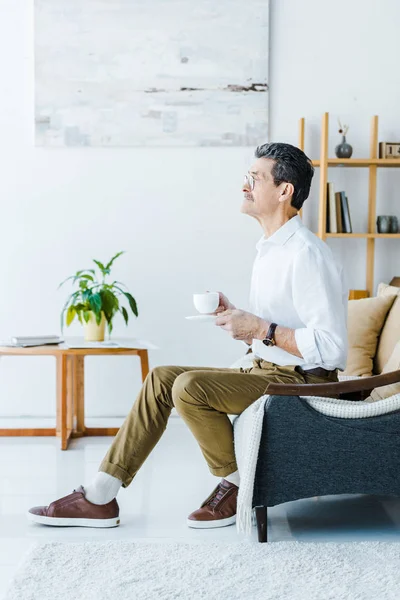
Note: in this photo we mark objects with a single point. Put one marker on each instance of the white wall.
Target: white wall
(176, 211)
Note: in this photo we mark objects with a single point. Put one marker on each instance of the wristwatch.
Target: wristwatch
(269, 339)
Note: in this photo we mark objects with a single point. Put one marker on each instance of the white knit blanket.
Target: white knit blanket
(247, 435)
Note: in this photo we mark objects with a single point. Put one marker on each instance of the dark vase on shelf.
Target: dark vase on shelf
(343, 150)
(383, 224)
(393, 224)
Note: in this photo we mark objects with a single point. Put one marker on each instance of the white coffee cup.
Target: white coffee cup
(207, 302)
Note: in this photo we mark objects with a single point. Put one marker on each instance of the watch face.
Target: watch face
(267, 342)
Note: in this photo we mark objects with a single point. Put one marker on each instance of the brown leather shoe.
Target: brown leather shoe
(75, 510)
(218, 510)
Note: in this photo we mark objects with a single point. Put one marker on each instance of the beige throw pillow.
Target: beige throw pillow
(393, 364)
(384, 289)
(365, 319)
(390, 333)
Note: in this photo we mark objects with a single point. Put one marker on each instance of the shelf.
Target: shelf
(359, 162)
(364, 235)
(372, 164)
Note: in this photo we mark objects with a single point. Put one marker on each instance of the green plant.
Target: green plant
(96, 296)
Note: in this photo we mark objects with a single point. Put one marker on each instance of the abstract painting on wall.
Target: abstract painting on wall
(151, 72)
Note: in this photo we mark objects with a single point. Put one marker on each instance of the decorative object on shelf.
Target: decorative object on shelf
(389, 150)
(393, 224)
(383, 224)
(343, 150)
(96, 303)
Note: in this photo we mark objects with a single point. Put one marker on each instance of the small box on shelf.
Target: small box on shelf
(389, 150)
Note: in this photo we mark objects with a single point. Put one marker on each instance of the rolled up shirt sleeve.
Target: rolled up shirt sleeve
(321, 303)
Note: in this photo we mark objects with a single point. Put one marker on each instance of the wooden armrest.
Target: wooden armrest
(355, 389)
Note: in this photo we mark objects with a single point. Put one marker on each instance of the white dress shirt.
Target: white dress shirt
(297, 283)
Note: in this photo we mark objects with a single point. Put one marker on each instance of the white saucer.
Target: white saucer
(202, 317)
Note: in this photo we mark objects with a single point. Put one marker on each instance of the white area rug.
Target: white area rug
(156, 570)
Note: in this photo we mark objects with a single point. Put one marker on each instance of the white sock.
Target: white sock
(233, 478)
(102, 489)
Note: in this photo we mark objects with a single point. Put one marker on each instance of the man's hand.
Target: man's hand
(224, 304)
(242, 325)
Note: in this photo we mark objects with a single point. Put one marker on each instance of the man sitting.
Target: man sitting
(296, 328)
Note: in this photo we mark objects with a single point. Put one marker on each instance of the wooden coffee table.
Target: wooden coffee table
(70, 405)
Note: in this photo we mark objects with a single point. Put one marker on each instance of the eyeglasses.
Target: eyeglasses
(249, 180)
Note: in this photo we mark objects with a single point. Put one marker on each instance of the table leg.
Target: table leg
(79, 395)
(58, 395)
(70, 395)
(144, 363)
(62, 400)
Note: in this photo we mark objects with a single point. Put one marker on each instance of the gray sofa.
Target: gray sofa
(304, 453)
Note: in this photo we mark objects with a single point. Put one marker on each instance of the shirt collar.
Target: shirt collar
(281, 235)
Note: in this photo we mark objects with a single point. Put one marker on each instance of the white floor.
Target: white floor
(172, 483)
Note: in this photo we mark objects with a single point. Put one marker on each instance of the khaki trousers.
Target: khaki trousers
(203, 397)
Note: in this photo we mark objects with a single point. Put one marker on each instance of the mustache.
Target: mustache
(248, 196)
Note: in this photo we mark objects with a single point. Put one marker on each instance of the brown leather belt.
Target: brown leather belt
(319, 371)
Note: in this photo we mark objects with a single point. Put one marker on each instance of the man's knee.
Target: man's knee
(187, 389)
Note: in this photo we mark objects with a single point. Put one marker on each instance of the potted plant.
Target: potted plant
(96, 302)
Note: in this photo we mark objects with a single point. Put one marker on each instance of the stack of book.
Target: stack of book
(337, 211)
(35, 340)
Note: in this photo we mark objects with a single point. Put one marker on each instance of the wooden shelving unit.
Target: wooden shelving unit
(360, 162)
(363, 235)
(372, 163)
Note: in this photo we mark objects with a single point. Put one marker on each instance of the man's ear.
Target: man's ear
(286, 192)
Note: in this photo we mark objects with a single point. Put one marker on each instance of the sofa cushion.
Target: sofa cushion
(390, 333)
(365, 320)
(385, 289)
(393, 364)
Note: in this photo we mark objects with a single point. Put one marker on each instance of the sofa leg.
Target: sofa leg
(261, 518)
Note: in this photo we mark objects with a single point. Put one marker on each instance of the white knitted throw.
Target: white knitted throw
(247, 435)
